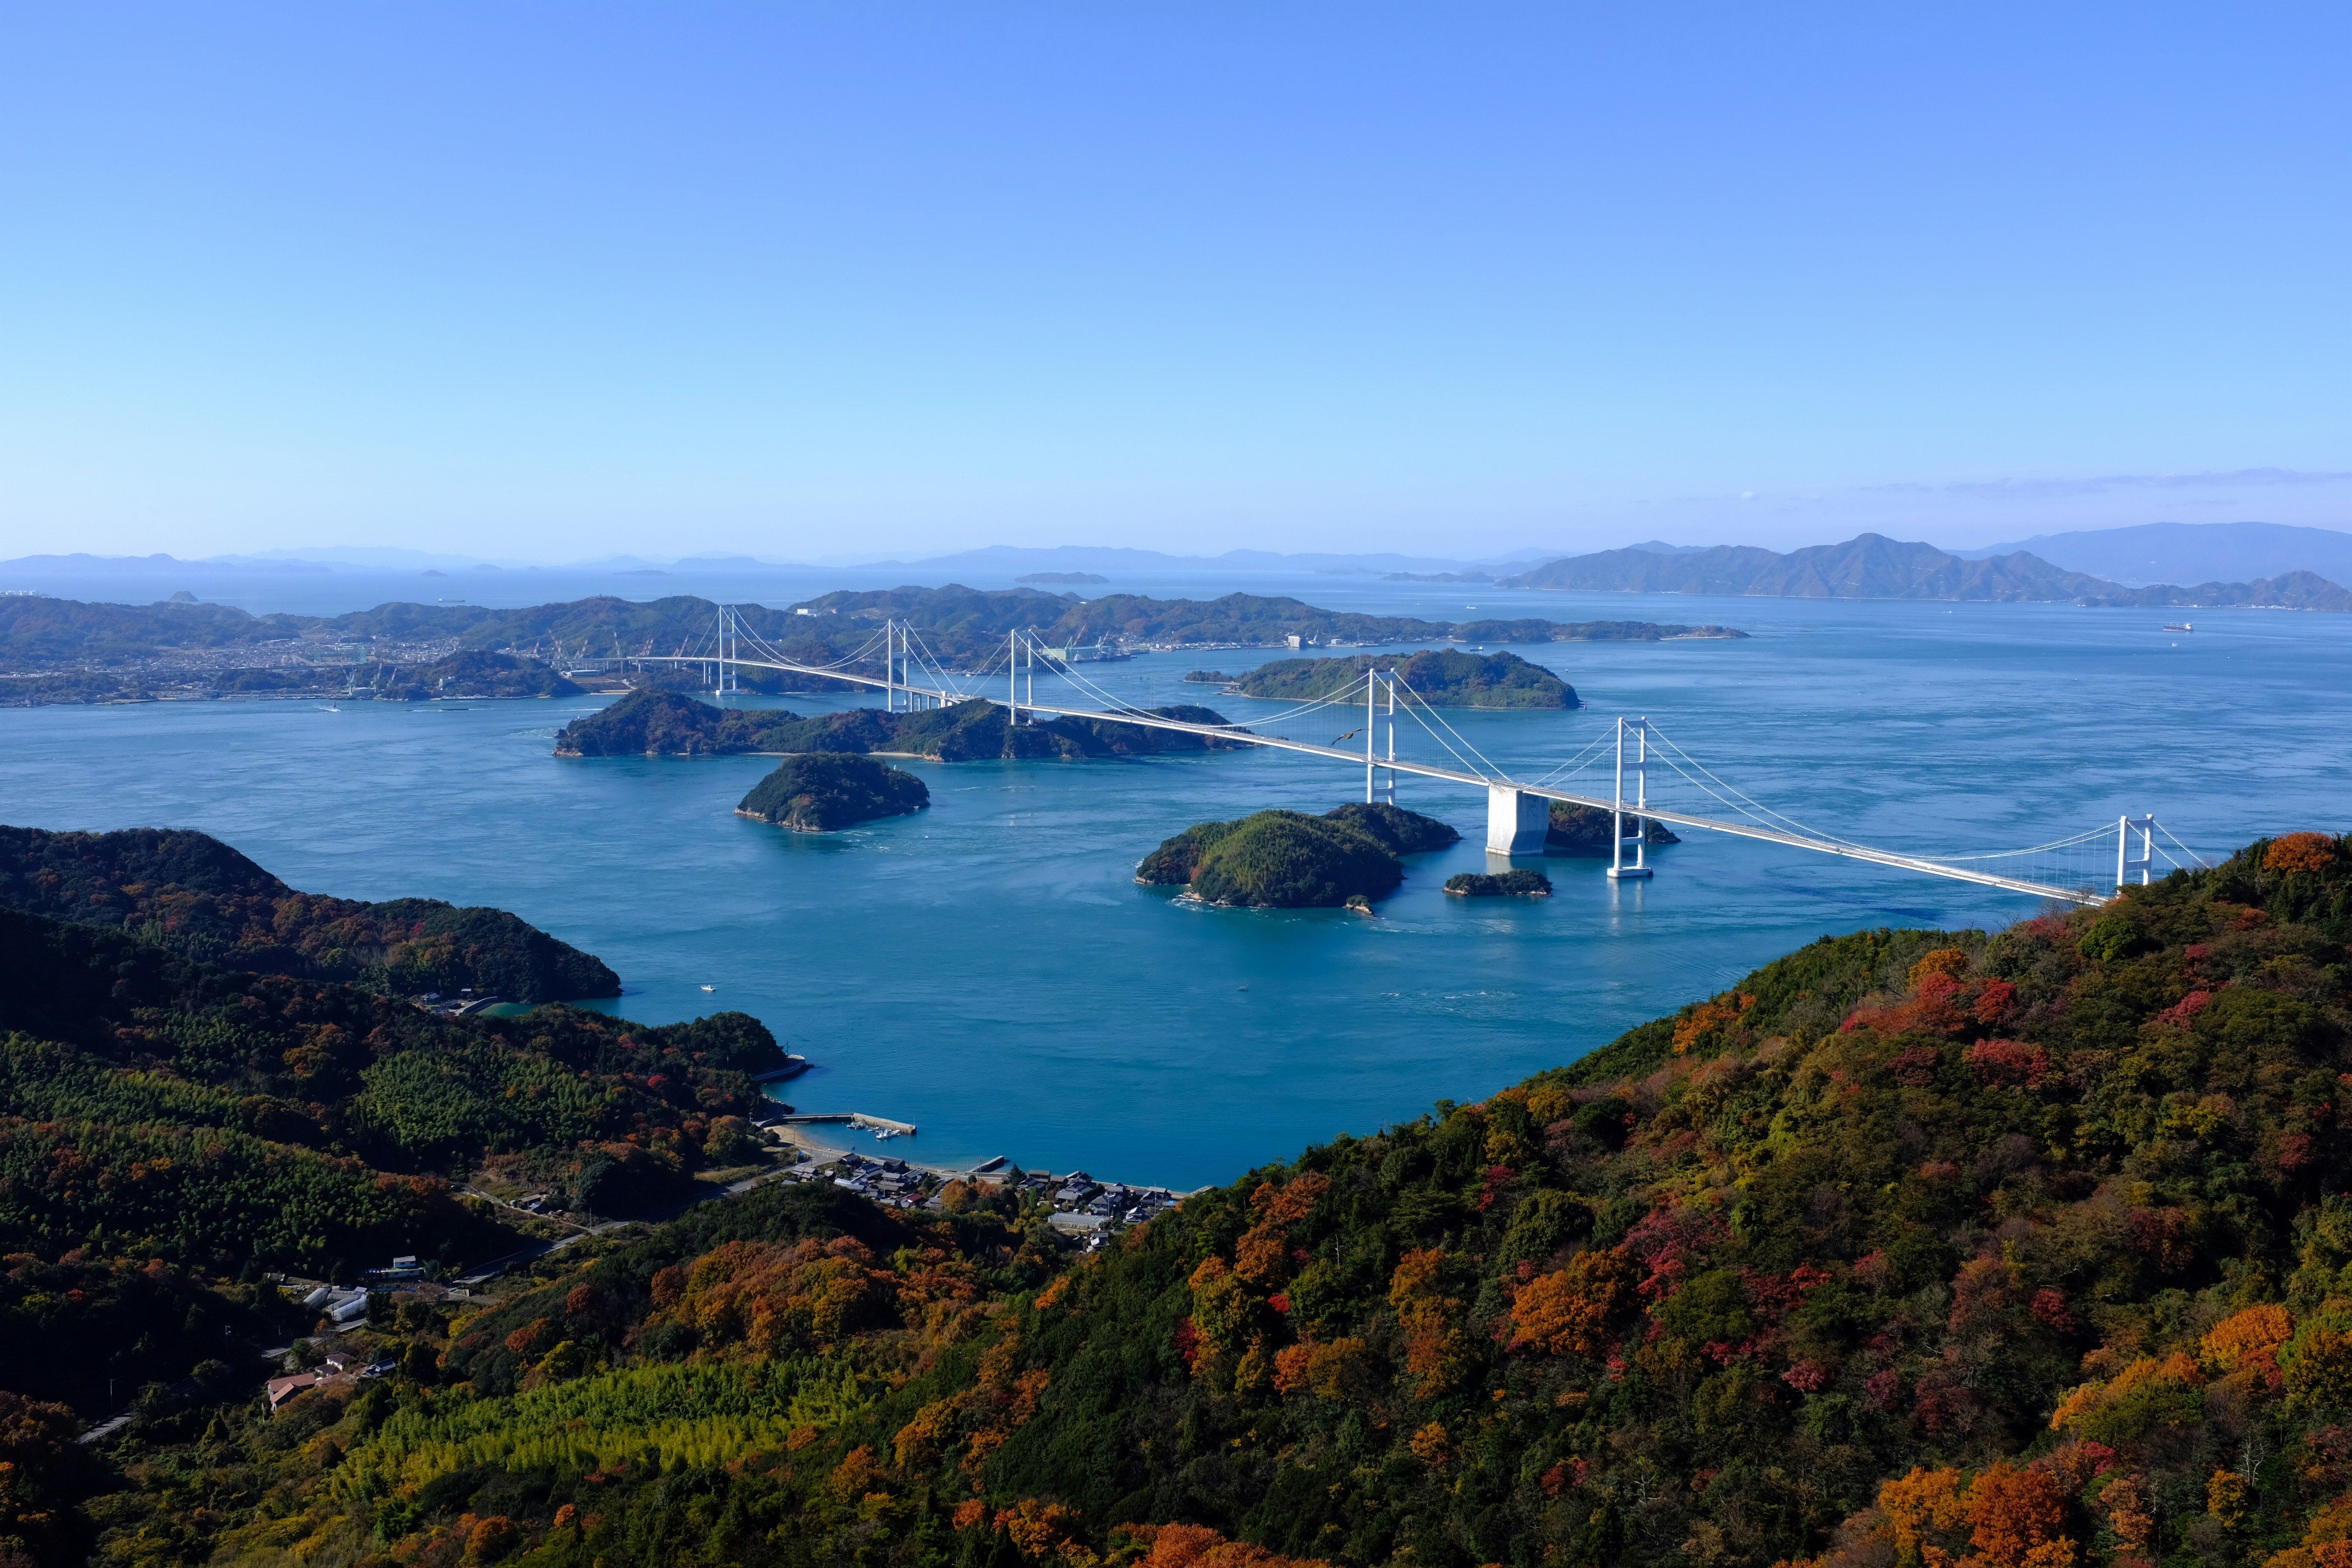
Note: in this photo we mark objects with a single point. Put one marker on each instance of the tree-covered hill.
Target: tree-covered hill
(1286, 859)
(654, 722)
(170, 1129)
(108, 1029)
(1443, 678)
(470, 672)
(2026, 1250)
(1585, 829)
(193, 894)
(820, 792)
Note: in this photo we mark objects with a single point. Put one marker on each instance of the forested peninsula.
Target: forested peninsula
(671, 724)
(192, 893)
(171, 1127)
(1443, 678)
(2010, 1250)
(1286, 859)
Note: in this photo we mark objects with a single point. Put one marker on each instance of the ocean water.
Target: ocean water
(989, 969)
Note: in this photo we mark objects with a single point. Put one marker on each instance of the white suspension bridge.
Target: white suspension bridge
(2075, 868)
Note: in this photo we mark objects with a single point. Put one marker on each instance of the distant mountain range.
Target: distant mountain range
(2225, 563)
(2188, 552)
(1873, 566)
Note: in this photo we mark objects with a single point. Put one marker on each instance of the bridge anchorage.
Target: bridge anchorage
(2074, 868)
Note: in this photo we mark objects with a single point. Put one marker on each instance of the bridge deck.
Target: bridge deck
(1237, 733)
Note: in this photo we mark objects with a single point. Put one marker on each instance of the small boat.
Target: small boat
(710, 988)
(2183, 626)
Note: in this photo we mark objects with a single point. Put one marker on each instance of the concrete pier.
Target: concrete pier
(853, 1118)
(1515, 821)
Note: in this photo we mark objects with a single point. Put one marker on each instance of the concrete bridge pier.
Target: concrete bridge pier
(1515, 821)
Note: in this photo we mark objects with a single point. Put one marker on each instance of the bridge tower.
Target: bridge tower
(1386, 788)
(1390, 789)
(1020, 667)
(2127, 862)
(1639, 729)
(726, 638)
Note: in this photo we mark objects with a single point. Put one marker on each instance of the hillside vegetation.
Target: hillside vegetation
(171, 1128)
(1284, 859)
(471, 672)
(650, 721)
(194, 894)
(1585, 829)
(821, 792)
(1443, 678)
(655, 723)
(1939, 1249)
(1516, 883)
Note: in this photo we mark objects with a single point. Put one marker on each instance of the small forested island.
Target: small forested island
(820, 792)
(2018, 1250)
(1286, 859)
(1443, 678)
(1516, 883)
(1585, 829)
(192, 893)
(670, 724)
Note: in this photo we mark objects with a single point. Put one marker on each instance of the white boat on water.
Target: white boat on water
(2183, 626)
(710, 988)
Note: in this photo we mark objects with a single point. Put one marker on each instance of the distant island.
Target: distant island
(192, 893)
(667, 723)
(1443, 678)
(1514, 884)
(1585, 829)
(61, 650)
(970, 624)
(1873, 566)
(1060, 577)
(1286, 859)
(826, 791)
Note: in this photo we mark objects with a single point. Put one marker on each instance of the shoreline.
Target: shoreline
(800, 1136)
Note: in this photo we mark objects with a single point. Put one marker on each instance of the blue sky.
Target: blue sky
(544, 280)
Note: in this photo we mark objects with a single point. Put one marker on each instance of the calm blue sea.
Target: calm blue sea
(989, 969)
